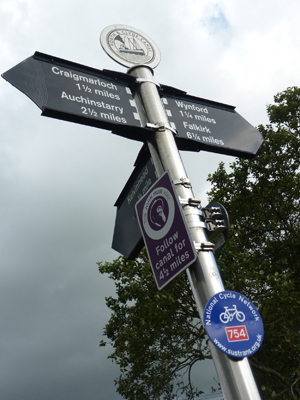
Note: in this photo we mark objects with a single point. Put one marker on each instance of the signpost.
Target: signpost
(131, 105)
(165, 233)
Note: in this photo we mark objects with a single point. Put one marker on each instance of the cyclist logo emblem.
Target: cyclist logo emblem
(229, 313)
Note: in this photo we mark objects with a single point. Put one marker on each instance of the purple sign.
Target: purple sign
(165, 233)
(233, 324)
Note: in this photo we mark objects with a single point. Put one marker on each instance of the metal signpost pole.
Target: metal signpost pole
(235, 375)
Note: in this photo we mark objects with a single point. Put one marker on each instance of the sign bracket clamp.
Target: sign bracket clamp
(143, 80)
(196, 203)
(205, 246)
(161, 126)
(184, 182)
(191, 201)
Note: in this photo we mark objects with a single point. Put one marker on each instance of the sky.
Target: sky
(59, 180)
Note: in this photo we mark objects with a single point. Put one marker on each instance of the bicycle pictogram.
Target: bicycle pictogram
(229, 313)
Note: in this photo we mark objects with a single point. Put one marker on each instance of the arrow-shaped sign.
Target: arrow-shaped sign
(127, 238)
(76, 93)
(73, 92)
(208, 125)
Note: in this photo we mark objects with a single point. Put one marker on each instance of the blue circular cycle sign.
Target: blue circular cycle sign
(233, 324)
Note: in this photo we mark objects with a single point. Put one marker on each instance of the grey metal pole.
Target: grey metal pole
(235, 375)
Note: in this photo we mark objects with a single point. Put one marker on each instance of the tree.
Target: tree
(262, 256)
(158, 336)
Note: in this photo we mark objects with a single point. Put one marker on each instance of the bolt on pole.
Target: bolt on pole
(236, 378)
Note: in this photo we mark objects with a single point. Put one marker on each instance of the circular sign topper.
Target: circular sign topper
(233, 324)
(129, 47)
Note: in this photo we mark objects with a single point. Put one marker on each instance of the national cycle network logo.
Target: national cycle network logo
(233, 324)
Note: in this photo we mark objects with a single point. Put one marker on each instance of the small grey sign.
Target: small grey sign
(127, 238)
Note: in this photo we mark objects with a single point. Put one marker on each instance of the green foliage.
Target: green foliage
(157, 336)
(262, 256)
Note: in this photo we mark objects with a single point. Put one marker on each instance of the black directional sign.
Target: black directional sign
(127, 238)
(73, 92)
(76, 93)
(207, 125)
